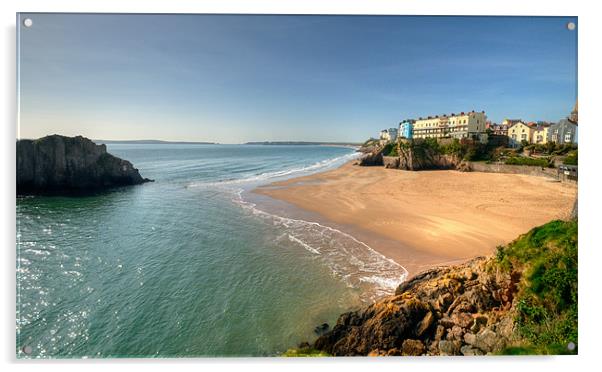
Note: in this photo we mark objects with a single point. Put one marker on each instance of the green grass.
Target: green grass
(547, 296)
(521, 160)
(519, 350)
(305, 352)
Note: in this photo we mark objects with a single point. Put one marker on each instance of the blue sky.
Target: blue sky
(234, 78)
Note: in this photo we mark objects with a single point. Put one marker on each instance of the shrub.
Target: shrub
(571, 158)
(564, 148)
(390, 149)
(522, 160)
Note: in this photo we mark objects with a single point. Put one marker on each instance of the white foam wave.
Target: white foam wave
(303, 244)
(349, 259)
(324, 164)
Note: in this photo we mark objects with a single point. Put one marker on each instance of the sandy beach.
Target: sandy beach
(427, 218)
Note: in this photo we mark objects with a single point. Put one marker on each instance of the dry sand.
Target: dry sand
(427, 218)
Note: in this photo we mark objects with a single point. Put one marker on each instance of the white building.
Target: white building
(469, 125)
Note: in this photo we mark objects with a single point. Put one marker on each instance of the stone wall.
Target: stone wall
(513, 169)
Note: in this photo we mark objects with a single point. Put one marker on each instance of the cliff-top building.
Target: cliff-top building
(388, 135)
(511, 122)
(519, 132)
(541, 134)
(565, 131)
(406, 129)
(469, 125)
(499, 129)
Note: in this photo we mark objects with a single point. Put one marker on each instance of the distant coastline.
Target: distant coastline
(304, 143)
(153, 142)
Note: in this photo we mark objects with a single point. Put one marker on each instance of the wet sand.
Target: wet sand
(427, 218)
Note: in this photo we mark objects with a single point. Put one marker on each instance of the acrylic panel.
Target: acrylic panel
(295, 185)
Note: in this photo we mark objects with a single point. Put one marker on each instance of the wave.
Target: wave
(348, 258)
(323, 164)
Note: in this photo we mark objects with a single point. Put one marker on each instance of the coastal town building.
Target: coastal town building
(470, 125)
(564, 131)
(499, 129)
(388, 135)
(541, 134)
(406, 129)
(519, 133)
(475, 126)
(510, 122)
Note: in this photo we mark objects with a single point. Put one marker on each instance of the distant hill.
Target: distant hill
(153, 142)
(304, 143)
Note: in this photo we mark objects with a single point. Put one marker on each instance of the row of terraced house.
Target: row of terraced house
(474, 126)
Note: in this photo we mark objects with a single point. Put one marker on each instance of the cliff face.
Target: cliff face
(411, 155)
(420, 158)
(373, 156)
(463, 310)
(63, 165)
(521, 301)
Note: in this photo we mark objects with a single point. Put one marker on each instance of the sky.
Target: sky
(239, 78)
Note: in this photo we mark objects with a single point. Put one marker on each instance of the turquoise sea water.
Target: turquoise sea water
(187, 266)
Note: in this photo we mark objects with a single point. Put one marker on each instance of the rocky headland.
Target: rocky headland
(410, 155)
(523, 300)
(69, 165)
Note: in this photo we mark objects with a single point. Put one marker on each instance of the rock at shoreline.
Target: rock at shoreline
(68, 165)
(460, 310)
(372, 157)
(321, 329)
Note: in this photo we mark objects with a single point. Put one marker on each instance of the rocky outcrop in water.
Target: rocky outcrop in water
(461, 310)
(64, 165)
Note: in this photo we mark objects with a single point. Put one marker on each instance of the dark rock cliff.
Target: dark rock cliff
(63, 165)
(372, 155)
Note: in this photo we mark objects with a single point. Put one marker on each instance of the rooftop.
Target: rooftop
(449, 115)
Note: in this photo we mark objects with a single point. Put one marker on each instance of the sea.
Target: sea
(191, 265)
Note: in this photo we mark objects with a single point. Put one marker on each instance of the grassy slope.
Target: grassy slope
(547, 300)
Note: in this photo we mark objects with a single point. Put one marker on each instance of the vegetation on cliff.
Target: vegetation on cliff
(471, 151)
(523, 300)
(550, 148)
(546, 304)
(390, 149)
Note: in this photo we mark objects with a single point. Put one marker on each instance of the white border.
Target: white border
(590, 244)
